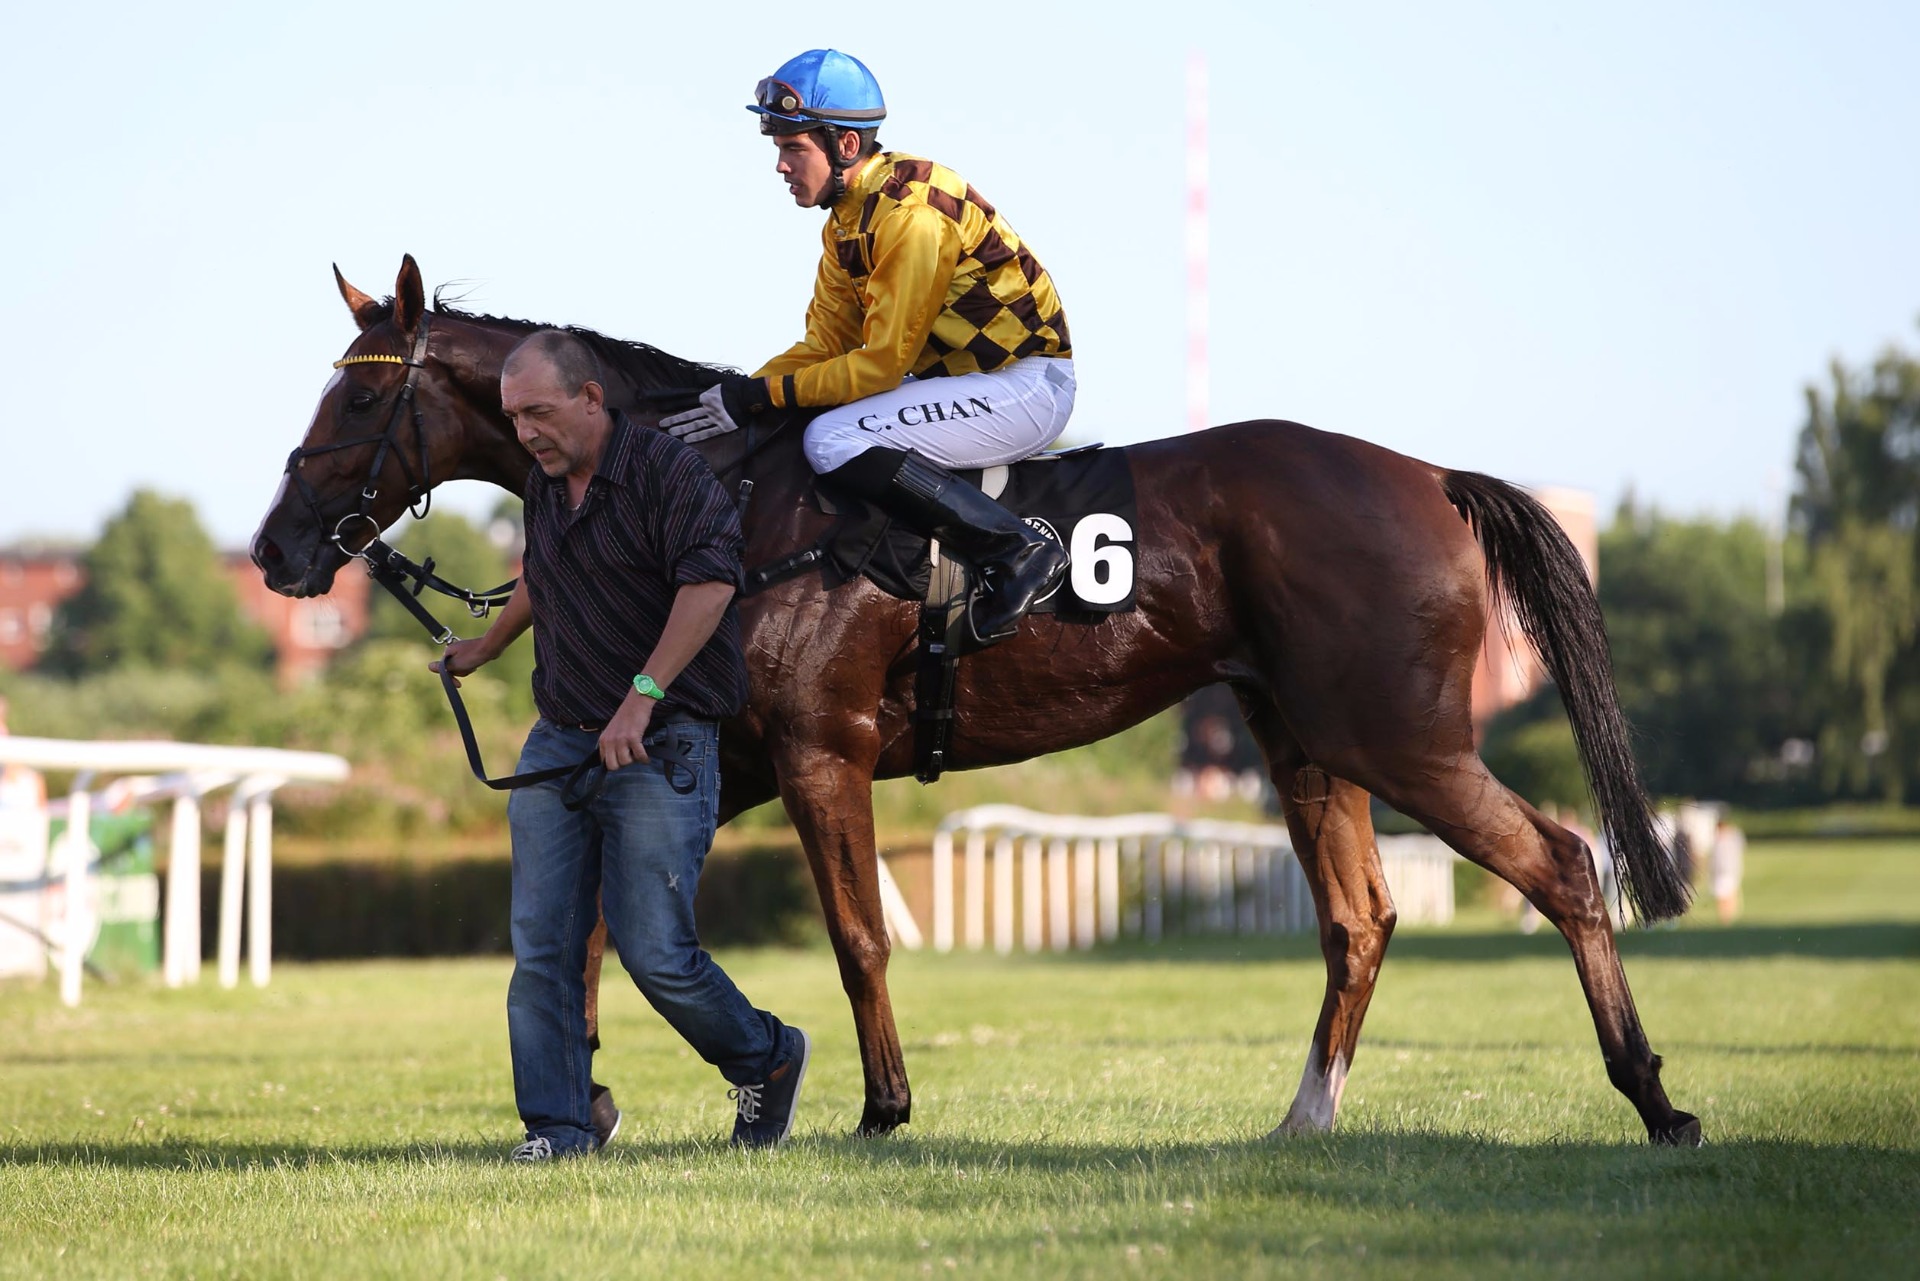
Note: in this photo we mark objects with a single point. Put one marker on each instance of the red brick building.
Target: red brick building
(305, 633)
(32, 582)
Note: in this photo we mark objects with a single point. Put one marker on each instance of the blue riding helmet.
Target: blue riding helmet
(820, 87)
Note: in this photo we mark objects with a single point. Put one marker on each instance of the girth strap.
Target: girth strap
(942, 615)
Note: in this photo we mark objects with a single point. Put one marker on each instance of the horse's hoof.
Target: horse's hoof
(877, 1122)
(604, 1116)
(1294, 1127)
(1682, 1132)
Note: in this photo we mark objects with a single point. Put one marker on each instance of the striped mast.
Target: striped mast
(1197, 410)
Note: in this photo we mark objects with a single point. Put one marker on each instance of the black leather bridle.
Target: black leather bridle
(406, 407)
(393, 571)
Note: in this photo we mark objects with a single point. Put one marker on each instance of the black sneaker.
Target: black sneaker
(766, 1110)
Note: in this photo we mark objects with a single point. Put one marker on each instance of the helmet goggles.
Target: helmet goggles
(778, 98)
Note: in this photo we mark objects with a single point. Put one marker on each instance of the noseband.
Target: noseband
(419, 488)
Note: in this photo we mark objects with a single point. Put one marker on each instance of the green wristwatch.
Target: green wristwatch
(645, 684)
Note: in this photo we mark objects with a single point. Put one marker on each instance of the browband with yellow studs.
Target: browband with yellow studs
(369, 360)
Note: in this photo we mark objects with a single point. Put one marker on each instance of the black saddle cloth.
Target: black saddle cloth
(1082, 499)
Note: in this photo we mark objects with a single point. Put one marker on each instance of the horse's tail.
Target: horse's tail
(1533, 569)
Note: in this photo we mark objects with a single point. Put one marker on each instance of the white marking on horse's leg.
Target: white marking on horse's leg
(1318, 1100)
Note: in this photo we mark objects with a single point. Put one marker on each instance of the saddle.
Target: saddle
(1081, 498)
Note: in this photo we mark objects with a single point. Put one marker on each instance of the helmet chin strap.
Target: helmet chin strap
(830, 136)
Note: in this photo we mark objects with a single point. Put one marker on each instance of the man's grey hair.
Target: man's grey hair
(572, 360)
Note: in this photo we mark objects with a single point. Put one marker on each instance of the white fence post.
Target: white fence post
(1152, 901)
(1084, 888)
(893, 908)
(76, 930)
(181, 937)
(975, 894)
(1003, 894)
(233, 866)
(943, 891)
(260, 887)
(1059, 896)
(1034, 930)
(1107, 878)
(1083, 880)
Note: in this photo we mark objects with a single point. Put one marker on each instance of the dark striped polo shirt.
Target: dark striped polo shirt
(602, 580)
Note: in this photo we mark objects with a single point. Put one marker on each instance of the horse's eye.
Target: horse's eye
(360, 402)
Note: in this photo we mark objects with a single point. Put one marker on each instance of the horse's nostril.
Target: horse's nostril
(270, 551)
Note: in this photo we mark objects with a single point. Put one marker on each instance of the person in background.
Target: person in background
(1726, 866)
(23, 866)
(18, 783)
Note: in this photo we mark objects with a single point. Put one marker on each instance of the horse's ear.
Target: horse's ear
(409, 295)
(365, 310)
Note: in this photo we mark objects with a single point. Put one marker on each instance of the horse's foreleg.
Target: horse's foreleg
(831, 804)
(1333, 838)
(1469, 809)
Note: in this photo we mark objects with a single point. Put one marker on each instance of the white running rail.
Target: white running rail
(183, 773)
(1061, 880)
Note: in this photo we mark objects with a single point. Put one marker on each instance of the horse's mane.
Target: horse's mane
(647, 366)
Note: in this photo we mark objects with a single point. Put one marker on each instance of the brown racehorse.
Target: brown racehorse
(1340, 588)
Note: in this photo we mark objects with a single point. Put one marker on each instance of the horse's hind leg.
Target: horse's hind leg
(1469, 809)
(1332, 831)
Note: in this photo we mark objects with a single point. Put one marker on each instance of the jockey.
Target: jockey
(934, 340)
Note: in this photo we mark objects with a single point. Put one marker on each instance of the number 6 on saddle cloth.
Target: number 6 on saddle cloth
(585, 780)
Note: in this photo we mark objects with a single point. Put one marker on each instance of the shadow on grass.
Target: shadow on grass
(1858, 940)
(1410, 1198)
(1669, 1047)
(1436, 1161)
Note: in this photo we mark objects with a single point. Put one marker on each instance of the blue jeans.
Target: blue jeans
(638, 846)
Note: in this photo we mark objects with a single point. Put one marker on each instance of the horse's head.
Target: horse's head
(415, 400)
(385, 432)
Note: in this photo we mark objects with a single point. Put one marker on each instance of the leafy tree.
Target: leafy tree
(1857, 505)
(1859, 452)
(1704, 670)
(1865, 574)
(156, 595)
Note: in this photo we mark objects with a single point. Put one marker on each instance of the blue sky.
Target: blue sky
(1603, 246)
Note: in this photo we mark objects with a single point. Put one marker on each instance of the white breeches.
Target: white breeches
(969, 420)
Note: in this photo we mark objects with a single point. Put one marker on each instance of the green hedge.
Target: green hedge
(459, 907)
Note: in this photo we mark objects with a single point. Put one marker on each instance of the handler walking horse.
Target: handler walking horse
(1340, 588)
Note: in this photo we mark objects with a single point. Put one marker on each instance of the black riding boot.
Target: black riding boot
(1017, 566)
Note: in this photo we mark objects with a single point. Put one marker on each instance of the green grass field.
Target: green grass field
(1092, 1116)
